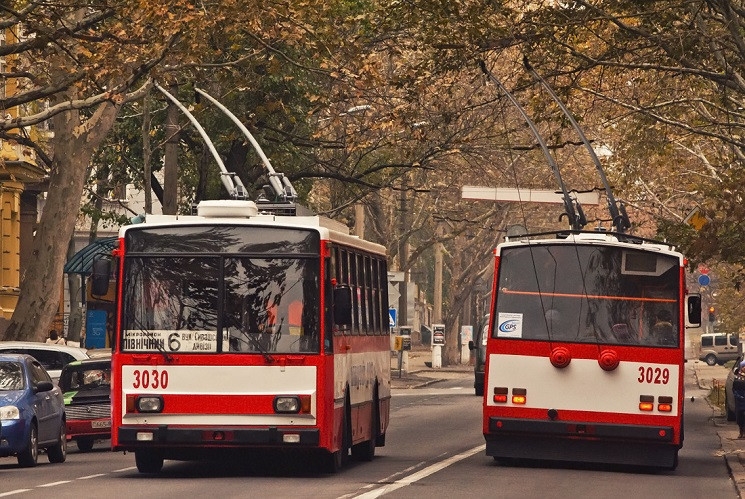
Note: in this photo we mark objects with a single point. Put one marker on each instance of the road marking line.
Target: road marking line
(91, 476)
(14, 492)
(386, 480)
(52, 484)
(125, 469)
(420, 474)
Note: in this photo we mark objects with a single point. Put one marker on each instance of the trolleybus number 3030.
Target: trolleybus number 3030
(654, 375)
(150, 379)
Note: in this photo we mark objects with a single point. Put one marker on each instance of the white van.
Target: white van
(718, 348)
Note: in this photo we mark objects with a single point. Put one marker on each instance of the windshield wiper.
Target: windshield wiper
(251, 338)
(156, 341)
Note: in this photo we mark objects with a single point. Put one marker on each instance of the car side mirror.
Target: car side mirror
(43, 386)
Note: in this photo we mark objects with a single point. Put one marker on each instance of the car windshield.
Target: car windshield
(82, 378)
(11, 376)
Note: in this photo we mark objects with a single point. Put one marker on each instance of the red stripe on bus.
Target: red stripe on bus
(217, 404)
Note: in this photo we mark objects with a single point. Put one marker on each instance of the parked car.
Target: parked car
(478, 346)
(32, 411)
(53, 357)
(734, 390)
(718, 348)
(86, 385)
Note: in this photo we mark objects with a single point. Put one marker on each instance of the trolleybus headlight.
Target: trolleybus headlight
(287, 404)
(292, 404)
(149, 403)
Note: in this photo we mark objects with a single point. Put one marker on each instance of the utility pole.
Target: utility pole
(403, 256)
(439, 250)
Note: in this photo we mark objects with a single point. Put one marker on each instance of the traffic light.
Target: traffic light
(712, 317)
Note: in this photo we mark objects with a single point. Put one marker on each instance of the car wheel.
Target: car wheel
(731, 416)
(58, 452)
(148, 461)
(28, 457)
(711, 359)
(84, 444)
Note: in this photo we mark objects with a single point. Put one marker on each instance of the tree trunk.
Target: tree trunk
(74, 143)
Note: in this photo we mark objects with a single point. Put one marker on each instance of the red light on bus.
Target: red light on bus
(665, 404)
(500, 394)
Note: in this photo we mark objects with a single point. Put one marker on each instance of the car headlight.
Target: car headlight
(10, 412)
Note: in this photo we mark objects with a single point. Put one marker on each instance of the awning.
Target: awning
(82, 261)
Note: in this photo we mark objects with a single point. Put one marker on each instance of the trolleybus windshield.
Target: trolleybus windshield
(221, 289)
(588, 294)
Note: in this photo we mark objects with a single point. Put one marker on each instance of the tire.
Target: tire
(30, 455)
(148, 461)
(365, 451)
(335, 461)
(711, 359)
(84, 444)
(731, 416)
(58, 452)
(478, 390)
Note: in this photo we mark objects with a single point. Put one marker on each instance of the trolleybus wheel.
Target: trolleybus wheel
(365, 451)
(84, 444)
(148, 461)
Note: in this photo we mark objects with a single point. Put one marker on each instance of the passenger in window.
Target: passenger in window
(663, 331)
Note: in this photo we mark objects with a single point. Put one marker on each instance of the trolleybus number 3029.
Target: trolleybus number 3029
(654, 375)
(150, 379)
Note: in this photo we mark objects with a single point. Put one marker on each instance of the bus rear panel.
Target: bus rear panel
(585, 353)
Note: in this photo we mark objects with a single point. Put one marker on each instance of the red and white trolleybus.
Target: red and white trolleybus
(242, 329)
(586, 350)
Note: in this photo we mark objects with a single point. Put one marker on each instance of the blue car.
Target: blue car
(32, 411)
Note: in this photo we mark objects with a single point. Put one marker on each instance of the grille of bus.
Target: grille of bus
(98, 411)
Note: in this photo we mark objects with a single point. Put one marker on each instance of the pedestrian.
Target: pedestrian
(55, 338)
(737, 389)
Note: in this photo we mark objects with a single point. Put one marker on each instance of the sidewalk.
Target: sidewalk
(420, 373)
(733, 448)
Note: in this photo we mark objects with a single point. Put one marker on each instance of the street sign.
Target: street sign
(704, 280)
(695, 219)
(392, 322)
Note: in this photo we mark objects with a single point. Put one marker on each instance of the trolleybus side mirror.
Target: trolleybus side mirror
(343, 305)
(693, 310)
(100, 276)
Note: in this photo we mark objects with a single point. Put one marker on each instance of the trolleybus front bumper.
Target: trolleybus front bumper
(133, 437)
